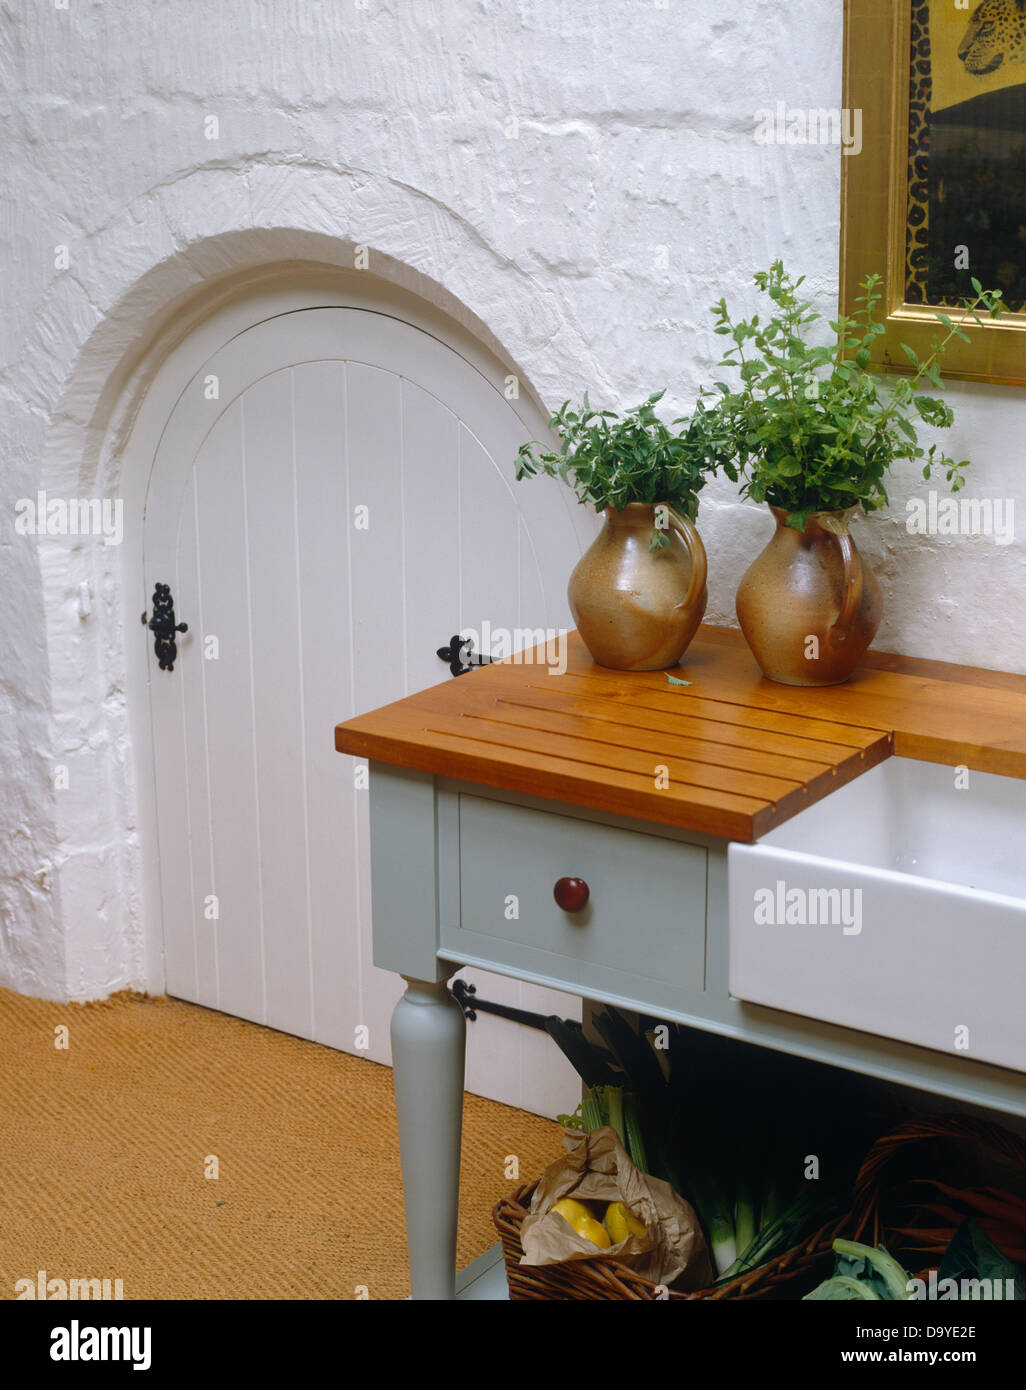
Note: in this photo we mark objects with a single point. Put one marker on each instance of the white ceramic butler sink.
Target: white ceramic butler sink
(895, 905)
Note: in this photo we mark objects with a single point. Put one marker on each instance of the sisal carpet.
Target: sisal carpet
(104, 1147)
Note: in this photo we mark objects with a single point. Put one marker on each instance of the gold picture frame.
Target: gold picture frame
(875, 204)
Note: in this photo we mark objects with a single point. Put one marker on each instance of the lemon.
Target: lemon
(595, 1232)
(621, 1223)
(572, 1210)
(582, 1220)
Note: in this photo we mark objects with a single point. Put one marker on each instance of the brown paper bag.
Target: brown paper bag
(598, 1168)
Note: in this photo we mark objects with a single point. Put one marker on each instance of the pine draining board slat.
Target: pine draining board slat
(597, 725)
(671, 701)
(798, 753)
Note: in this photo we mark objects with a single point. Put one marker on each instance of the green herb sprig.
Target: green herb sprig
(811, 428)
(612, 460)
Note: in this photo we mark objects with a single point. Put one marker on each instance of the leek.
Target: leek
(785, 1231)
(635, 1141)
(722, 1243)
(715, 1212)
(604, 1105)
(614, 1107)
(746, 1226)
(592, 1112)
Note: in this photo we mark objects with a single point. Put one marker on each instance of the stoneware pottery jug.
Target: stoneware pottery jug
(635, 608)
(808, 606)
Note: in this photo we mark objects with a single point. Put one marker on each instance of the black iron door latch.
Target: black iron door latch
(163, 626)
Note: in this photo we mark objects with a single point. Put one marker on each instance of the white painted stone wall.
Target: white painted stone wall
(579, 181)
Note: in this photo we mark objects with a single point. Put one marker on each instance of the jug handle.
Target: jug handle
(696, 550)
(852, 583)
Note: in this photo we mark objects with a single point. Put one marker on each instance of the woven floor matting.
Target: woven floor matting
(103, 1148)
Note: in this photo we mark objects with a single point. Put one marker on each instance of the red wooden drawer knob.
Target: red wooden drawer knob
(571, 894)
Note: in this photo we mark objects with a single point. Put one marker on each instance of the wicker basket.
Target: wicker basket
(604, 1278)
(869, 1223)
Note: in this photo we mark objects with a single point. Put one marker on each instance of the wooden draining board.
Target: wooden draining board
(741, 753)
(724, 755)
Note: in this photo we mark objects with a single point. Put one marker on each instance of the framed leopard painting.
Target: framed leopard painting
(934, 196)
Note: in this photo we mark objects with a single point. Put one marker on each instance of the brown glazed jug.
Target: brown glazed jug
(808, 606)
(637, 609)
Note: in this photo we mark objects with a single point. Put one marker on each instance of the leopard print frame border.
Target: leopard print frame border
(918, 206)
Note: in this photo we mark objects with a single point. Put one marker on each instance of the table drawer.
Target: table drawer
(646, 909)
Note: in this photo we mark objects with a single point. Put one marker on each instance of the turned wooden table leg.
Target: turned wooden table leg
(428, 1056)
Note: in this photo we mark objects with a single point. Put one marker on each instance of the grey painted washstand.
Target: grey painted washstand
(557, 781)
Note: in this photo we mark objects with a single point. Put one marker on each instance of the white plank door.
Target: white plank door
(330, 499)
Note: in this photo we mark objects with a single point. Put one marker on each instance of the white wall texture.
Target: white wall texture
(579, 181)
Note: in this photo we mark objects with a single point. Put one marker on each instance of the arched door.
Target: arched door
(330, 498)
